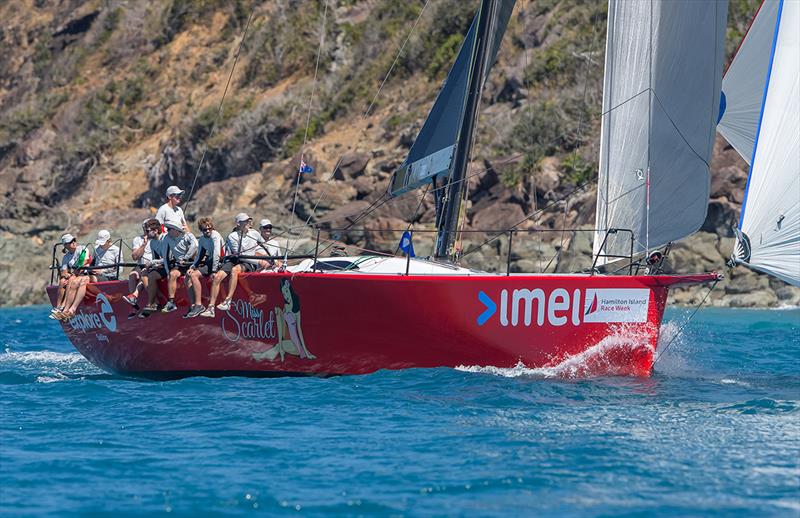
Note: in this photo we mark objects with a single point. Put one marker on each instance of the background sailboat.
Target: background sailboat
(762, 121)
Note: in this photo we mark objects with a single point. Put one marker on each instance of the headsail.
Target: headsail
(769, 227)
(660, 106)
(434, 148)
(743, 84)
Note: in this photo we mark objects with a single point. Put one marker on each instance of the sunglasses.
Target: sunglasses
(207, 229)
(267, 228)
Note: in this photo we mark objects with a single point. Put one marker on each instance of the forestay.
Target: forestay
(743, 84)
(432, 153)
(770, 218)
(660, 107)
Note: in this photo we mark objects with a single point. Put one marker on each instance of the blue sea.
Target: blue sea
(715, 430)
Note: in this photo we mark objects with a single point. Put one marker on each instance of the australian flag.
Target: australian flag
(305, 168)
(406, 245)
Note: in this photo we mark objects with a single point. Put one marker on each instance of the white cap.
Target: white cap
(172, 226)
(266, 223)
(67, 239)
(102, 237)
(174, 189)
(242, 217)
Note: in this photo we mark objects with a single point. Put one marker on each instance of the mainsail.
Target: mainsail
(769, 227)
(434, 148)
(743, 84)
(660, 107)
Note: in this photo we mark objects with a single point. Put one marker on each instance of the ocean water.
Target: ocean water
(715, 430)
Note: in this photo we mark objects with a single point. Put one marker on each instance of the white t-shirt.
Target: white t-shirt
(147, 256)
(245, 245)
(273, 248)
(103, 257)
(174, 215)
(70, 258)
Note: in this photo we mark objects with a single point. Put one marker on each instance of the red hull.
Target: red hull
(330, 324)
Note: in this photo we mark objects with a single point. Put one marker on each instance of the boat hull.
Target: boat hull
(333, 324)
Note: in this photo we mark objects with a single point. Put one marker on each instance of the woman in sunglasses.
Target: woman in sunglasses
(206, 264)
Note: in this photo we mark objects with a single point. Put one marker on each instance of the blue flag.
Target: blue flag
(406, 245)
(305, 168)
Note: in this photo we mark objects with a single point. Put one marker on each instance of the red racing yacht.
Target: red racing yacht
(354, 315)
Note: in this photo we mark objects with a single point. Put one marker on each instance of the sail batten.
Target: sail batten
(661, 101)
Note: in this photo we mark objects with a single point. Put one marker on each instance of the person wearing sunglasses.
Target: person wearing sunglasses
(170, 212)
(272, 248)
(206, 264)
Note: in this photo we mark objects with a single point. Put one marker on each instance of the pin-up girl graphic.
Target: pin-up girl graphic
(288, 320)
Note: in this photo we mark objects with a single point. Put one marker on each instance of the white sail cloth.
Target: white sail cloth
(771, 209)
(743, 84)
(660, 108)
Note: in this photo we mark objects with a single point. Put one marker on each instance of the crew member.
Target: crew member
(177, 251)
(207, 262)
(106, 253)
(170, 212)
(272, 247)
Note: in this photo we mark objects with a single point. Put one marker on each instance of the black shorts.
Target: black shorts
(246, 267)
(181, 268)
(161, 271)
(204, 270)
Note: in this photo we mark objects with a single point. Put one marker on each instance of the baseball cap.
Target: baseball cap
(241, 217)
(172, 226)
(67, 239)
(266, 223)
(174, 189)
(102, 237)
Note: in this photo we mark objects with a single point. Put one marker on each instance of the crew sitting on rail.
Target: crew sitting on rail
(242, 241)
(70, 244)
(75, 258)
(176, 251)
(143, 255)
(170, 212)
(106, 253)
(272, 247)
(207, 262)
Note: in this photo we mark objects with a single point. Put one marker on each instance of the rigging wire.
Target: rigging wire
(682, 327)
(367, 113)
(300, 172)
(219, 108)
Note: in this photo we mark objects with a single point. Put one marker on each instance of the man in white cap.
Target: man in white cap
(272, 246)
(242, 241)
(179, 249)
(75, 258)
(70, 245)
(106, 253)
(170, 212)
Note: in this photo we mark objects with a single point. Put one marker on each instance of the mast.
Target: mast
(454, 188)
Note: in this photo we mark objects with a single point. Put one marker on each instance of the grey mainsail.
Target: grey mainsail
(660, 107)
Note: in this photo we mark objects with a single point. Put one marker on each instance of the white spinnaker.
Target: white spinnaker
(743, 84)
(771, 208)
(660, 108)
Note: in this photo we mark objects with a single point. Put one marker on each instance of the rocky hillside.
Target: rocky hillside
(105, 103)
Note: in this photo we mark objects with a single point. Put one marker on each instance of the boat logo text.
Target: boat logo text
(89, 321)
(561, 307)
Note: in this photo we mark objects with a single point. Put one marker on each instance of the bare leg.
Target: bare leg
(234, 280)
(187, 282)
(216, 282)
(172, 283)
(62, 292)
(152, 287)
(133, 282)
(198, 289)
(80, 293)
